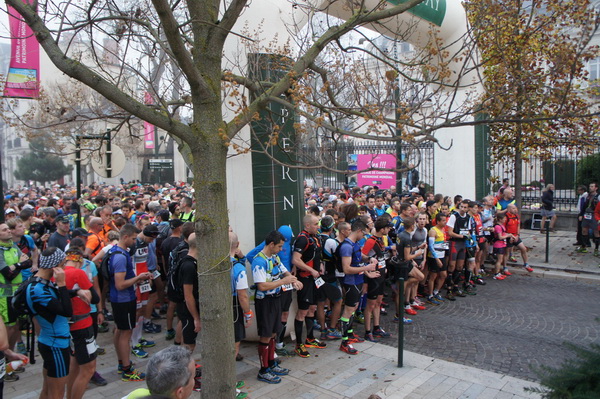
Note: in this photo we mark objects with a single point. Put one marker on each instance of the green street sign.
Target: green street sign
(433, 11)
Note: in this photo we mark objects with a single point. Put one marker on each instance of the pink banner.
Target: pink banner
(382, 179)
(23, 77)
(148, 128)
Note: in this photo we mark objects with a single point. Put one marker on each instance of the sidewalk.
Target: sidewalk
(328, 373)
(564, 261)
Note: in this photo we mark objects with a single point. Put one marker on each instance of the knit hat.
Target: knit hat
(53, 260)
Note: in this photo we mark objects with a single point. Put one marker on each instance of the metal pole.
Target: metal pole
(108, 155)
(398, 141)
(401, 323)
(78, 177)
(547, 240)
(1, 189)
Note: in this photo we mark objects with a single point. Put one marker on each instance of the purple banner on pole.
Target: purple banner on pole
(23, 78)
(384, 179)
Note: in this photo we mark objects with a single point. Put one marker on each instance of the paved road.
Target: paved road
(509, 327)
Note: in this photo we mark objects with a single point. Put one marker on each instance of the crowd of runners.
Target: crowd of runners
(130, 261)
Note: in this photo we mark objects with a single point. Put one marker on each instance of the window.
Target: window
(594, 69)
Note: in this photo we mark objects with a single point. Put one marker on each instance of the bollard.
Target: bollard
(547, 241)
(401, 323)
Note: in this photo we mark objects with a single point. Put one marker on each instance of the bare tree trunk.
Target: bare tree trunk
(212, 234)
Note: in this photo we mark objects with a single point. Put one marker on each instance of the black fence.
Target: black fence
(560, 170)
(337, 157)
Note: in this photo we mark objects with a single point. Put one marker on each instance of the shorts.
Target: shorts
(470, 253)
(589, 224)
(286, 300)
(500, 251)
(7, 311)
(353, 294)
(187, 324)
(547, 213)
(124, 314)
(482, 245)
(510, 244)
(56, 360)
(457, 250)
(268, 315)
(84, 345)
(433, 267)
(307, 295)
(329, 291)
(404, 270)
(239, 328)
(375, 286)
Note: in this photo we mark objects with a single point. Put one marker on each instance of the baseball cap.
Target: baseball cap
(175, 223)
(414, 190)
(63, 219)
(9, 210)
(80, 232)
(151, 231)
(51, 261)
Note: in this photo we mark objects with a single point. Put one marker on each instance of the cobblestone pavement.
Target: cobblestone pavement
(510, 327)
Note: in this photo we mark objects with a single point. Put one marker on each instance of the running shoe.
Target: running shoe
(240, 395)
(439, 297)
(406, 320)
(410, 311)
(98, 380)
(146, 343)
(301, 351)
(433, 301)
(132, 375)
(480, 281)
(450, 296)
(359, 318)
(512, 259)
(507, 273)
(103, 328)
(369, 337)
(151, 328)
(314, 343)
(100, 351)
(348, 348)
(528, 268)
(284, 352)
(269, 377)
(582, 250)
(460, 293)
(278, 370)
(470, 291)
(499, 277)
(596, 253)
(120, 367)
(108, 316)
(163, 308)
(11, 377)
(381, 333)
(332, 333)
(170, 334)
(382, 311)
(156, 315)
(317, 326)
(354, 338)
(137, 351)
(240, 384)
(416, 306)
(21, 348)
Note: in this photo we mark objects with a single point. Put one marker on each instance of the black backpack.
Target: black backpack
(174, 286)
(104, 266)
(338, 257)
(19, 300)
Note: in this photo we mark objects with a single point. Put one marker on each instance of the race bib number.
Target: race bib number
(442, 247)
(464, 232)
(91, 347)
(381, 264)
(287, 287)
(319, 282)
(587, 216)
(440, 254)
(145, 288)
(155, 274)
